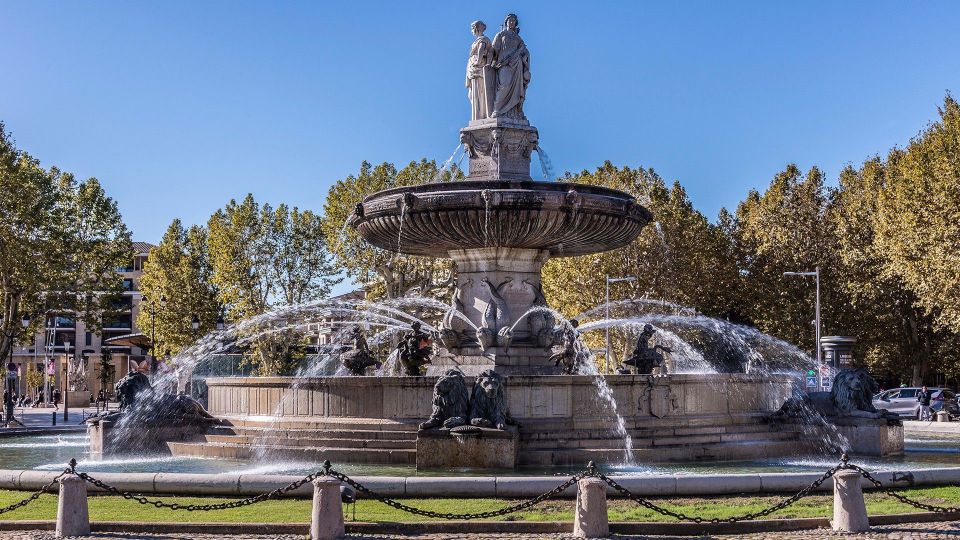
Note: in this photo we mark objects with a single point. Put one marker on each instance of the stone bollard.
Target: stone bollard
(327, 520)
(73, 519)
(849, 510)
(590, 519)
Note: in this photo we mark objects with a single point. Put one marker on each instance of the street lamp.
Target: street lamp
(815, 273)
(220, 323)
(152, 309)
(11, 379)
(606, 356)
(195, 323)
(66, 381)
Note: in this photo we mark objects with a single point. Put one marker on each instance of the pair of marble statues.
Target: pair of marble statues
(498, 72)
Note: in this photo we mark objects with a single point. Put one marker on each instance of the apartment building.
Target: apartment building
(67, 338)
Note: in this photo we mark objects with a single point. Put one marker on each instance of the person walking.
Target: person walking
(56, 399)
(924, 398)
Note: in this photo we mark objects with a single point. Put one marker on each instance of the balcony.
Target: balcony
(119, 322)
(61, 322)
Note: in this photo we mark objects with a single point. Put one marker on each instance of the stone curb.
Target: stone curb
(519, 527)
(477, 486)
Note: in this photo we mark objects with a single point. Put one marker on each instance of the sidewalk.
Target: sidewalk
(944, 428)
(41, 418)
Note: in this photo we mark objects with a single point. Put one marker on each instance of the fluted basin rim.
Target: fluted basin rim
(565, 219)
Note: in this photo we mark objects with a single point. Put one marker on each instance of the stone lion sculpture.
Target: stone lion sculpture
(450, 402)
(851, 395)
(142, 404)
(488, 407)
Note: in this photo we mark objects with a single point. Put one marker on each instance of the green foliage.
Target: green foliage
(34, 380)
(918, 217)
(60, 241)
(383, 273)
(682, 259)
(261, 257)
(787, 229)
(178, 270)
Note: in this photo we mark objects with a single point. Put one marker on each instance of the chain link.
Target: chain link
(194, 507)
(36, 495)
(461, 517)
(590, 471)
(697, 519)
(902, 498)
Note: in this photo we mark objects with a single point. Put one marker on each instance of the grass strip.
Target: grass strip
(113, 508)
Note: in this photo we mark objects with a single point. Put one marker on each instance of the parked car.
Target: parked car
(903, 401)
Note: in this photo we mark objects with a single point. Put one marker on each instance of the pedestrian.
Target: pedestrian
(924, 398)
(56, 399)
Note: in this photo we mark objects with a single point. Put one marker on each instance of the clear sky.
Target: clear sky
(179, 106)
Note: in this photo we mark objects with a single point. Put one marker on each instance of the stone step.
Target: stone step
(730, 451)
(656, 433)
(314, 442)
(282, 432)
(321, 423)
(303, 453)
(613, 442)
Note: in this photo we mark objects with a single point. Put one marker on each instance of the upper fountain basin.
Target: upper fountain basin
(565, 219)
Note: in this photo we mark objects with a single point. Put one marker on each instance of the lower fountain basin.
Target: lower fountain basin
(563, 420)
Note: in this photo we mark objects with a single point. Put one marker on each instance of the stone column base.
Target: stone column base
(482, 449)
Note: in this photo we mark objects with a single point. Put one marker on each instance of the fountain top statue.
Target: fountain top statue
(498, 73)
(499, 226)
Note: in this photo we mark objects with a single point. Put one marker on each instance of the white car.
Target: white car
(903, 401)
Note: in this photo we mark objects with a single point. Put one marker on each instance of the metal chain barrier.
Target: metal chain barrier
(902, 498)
(459, 517)
(697, 519)
(36, 495)
(193, 507)
(590, 471)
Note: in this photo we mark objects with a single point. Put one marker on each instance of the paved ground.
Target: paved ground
(33, 417)
(945, 529)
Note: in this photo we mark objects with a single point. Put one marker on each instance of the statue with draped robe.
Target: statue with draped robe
(481, 78)
(512, 64)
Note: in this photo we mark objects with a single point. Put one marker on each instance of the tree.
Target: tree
(896, 338)
(787, 229)
(677, 258)
(383, 273)
(178, 269)
(681, 258)
(918, 217)
(60, 241)
(261, 257)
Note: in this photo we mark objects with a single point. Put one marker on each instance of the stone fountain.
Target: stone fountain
(499, 227)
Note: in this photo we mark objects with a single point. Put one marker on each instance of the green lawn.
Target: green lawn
(112, 508)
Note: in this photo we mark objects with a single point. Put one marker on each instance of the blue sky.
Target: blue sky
(178, 106)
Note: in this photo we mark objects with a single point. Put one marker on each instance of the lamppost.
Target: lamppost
(11, 379)
(66, 381)
(153, 309)
(220, 322)
(815, 273)
(606, 356)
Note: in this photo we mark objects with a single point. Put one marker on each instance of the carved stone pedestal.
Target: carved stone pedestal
(869, 437)
(106, 439)
(499, 148)
(484, 449)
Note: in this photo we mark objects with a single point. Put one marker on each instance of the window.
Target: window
(128, 284)
(88, 339)
(908, 393)
(892, 394)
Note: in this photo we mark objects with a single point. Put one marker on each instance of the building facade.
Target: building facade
(66, 341)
